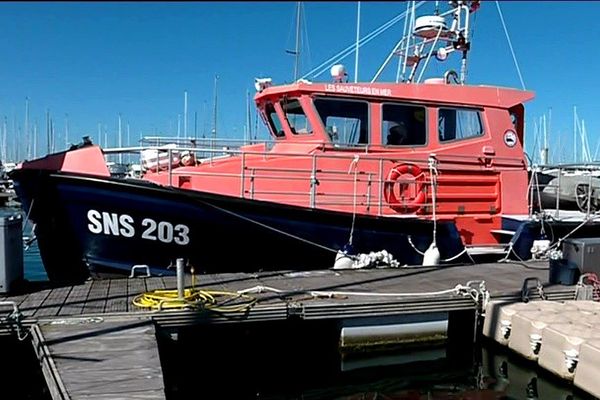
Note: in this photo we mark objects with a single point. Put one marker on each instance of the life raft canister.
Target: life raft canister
(406, 205)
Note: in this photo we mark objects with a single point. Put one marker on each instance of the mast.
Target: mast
(357, 46)
(120, 141)
(4, 137)
(52, 133)
(48, 134)
(35, 134)
(66, 130)
(297, 49)
(195, 125)
(27, 147)
(214, 131)
(248, 133)
(575, 134)
(185, 114)
(128, 144)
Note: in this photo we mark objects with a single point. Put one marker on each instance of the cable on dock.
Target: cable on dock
(195, 299)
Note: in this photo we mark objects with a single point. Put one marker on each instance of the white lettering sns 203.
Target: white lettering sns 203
(124, 225)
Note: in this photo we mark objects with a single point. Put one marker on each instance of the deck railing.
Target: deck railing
(556, 187)
(327, 177)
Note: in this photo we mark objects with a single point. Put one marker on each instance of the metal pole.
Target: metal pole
(557, 212)
(180, 278)
(185, 114)
(357, 43)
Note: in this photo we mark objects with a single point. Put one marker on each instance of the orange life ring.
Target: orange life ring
(411, 205)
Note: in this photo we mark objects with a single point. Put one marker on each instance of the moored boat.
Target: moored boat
(431, 172)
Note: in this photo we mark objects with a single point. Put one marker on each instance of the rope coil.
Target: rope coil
(195, 299)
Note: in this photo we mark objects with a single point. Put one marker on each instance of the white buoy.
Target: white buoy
(431, 256)
(343, 261)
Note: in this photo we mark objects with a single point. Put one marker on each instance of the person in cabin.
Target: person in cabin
(398, 134)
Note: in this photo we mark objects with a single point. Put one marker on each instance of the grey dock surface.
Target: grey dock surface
(90, 334)
(113, 297)
(94, 358)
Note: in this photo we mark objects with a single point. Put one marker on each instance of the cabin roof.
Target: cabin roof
(471, 95)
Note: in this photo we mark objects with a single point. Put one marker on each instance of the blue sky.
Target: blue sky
(95, 60)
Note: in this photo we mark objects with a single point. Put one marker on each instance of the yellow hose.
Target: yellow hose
(194, 299)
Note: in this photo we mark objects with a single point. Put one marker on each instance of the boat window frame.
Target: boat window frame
(322, 124)
(408, 104)
(479, 112)
(292, 128)
(277, 134)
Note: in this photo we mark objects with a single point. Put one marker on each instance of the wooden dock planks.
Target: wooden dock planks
(95, 358)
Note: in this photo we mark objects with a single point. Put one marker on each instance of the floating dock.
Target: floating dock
(78, 329)
(562, 337)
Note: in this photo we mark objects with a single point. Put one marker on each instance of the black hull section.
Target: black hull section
(96, 226)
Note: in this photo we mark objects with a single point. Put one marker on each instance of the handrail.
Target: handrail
(327, 179)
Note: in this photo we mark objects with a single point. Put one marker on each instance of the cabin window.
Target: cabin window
(273, 121)
(346, 121)
(456, 124)
(403, 125)
(296, 117)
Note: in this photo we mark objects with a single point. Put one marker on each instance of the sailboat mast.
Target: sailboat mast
(28, 148)
(357, 46)
(4, 137)
(248, 135)
(35, 134)
(574, 134)
(214, 132)
(120, 141)
(298, 32)
(185, 114)
(48, 137)
(66, 130)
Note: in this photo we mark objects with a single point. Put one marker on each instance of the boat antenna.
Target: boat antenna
(421, 39)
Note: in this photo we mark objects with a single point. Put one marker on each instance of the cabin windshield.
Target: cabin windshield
(296, 118)
(346, 121)
(273, 121)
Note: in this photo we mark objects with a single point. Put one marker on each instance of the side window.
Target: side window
(455, 124)
(403, 125)
(273, 121)
(297, 120)
(346, 121)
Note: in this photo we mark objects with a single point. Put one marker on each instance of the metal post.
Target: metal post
(313, 182)
(169, 166)
(243, 175)
(180, 278)
(381, 185)
(589, 198)
(557, 212)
